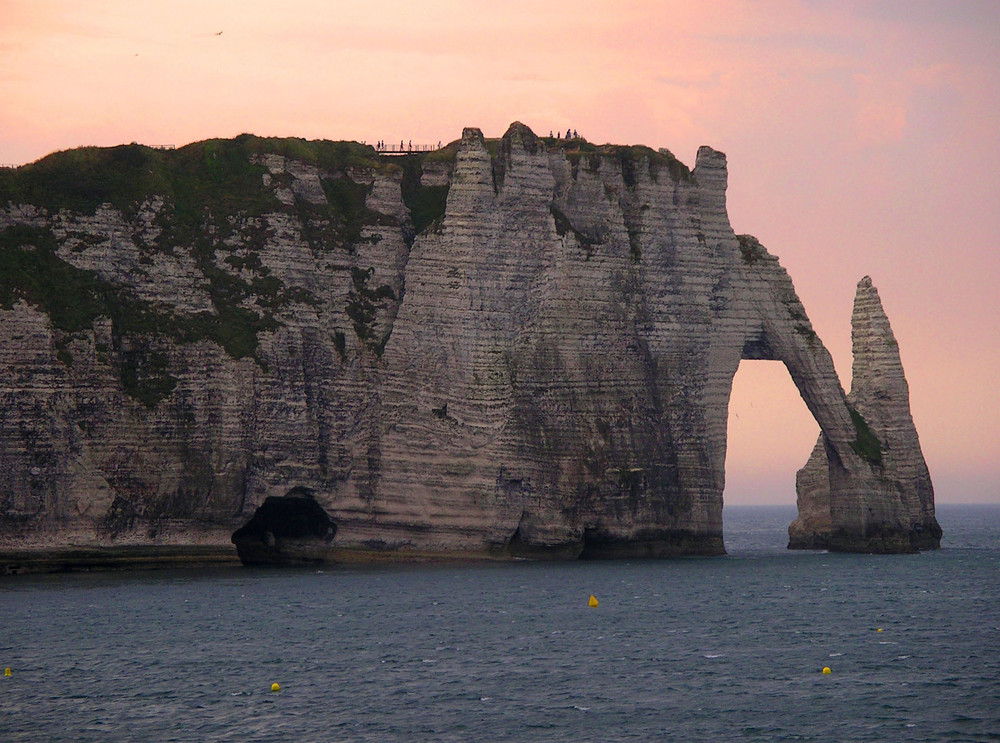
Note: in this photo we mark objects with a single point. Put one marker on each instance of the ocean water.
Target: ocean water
(711, 649)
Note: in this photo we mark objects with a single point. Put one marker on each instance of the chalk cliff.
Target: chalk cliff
(513, 347)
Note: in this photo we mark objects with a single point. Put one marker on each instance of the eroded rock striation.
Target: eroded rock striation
(520, 347)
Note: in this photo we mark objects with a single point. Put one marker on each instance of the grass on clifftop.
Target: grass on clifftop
(216, 174)
(204, 184)
(581, 152)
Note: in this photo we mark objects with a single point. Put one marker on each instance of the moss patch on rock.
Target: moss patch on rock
(73, 298)
(426, 203)
(867, 444)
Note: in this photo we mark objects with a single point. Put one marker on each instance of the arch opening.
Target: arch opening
(769, 436)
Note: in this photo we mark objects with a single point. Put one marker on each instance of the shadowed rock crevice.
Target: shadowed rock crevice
(525, 544)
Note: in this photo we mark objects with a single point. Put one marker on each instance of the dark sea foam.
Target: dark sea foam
(717, 649)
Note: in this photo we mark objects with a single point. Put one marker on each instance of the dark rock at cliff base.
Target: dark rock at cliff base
(286, 530)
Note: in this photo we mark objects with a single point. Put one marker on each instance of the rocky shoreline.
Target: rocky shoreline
(114, 558)
(144, 557)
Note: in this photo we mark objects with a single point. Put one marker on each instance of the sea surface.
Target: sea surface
(709, 649)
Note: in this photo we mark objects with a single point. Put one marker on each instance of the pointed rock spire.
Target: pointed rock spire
(900, 501)
(880, 393)
(877, 373)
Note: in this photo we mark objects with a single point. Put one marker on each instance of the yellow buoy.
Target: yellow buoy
(879, 629)
(275, 686)
(7, 672)
(826, 670)
(593, 601)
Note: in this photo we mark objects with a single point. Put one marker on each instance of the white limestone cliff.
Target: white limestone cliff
(544, 370)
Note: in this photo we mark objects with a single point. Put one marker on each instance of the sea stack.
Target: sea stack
(898, 512)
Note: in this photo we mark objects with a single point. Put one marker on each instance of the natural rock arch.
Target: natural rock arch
(550, 358)
(866, 486)
(587, 329)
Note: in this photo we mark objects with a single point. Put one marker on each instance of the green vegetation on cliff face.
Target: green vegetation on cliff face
(144, 375)
(73, 298)
(211, 191)
(426, 203)
(30, 269)
(866, 444)
(363, 303)
(345, 209)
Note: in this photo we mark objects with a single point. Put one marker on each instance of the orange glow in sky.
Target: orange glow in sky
(862, 138)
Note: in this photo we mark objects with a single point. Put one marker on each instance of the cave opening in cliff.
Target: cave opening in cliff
(286, 530)
(770, 434)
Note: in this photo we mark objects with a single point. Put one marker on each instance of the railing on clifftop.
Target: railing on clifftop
(405, 148)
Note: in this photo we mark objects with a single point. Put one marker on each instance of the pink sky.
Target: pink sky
(862, 138)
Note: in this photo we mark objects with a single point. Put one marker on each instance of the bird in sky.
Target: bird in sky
(219, 34)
